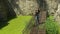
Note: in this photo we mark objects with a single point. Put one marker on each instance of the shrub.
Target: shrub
(51, 26)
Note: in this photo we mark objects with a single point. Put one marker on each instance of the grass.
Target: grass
(16, 26)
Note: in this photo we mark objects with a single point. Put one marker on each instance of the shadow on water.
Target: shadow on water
(10, 13)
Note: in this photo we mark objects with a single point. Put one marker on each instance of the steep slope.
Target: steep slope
(16, 26)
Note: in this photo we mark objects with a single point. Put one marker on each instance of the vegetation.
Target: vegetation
(16, 26)
(51, 26)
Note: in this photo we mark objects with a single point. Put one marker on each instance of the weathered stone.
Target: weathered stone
(54, 9)
(52, 6)
(28, 7)
(24, 7)
(3, 11)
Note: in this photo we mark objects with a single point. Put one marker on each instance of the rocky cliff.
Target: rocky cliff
(29, 7)
(54, 9)
(24, 7)
(3, 11)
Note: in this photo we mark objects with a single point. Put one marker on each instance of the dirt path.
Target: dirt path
(42, 19)
(33, 30)
(36, 30)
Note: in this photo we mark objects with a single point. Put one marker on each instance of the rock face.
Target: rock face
(29, 7)
(6, 11)
(3, 11)
(57, 14)
(54, 9)
(24, 7)
(52, 6)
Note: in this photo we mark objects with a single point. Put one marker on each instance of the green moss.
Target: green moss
(16, 26)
